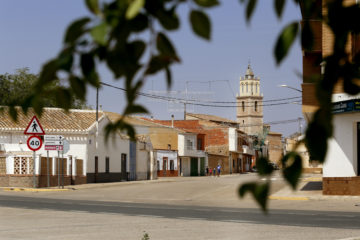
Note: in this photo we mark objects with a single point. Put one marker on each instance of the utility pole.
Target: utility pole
(97, 104)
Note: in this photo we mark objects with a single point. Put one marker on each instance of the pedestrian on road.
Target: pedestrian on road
(218, 170)
(214, 172)
(210, 172)
(207, 171)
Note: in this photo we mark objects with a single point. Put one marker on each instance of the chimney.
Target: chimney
(172, 120)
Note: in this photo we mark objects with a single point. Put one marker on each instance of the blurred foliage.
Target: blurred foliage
(130, 38)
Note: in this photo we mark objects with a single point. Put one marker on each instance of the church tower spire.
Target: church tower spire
(249, 103)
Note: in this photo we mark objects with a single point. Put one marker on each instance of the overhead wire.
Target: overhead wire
(204, 103)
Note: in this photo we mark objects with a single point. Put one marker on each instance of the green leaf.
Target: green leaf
(48, 72)
(99, 33)
(317, 134)
(93, 6)
(157, 63)
(307, 36)
(75, 30)
(168, 19)
(279, 7)
(168, 77)
(263, 166)
(285, 40)
(78, 86)
(200, 24)
(207, 3)
(134, 8)
(292, 170)
(137, 109)
(65, 59)
(250, 9)
(165, 46)
(259, 191)
(87, 64)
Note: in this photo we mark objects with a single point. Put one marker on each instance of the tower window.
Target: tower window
(243, 106)
(247, 87)
(255, 106)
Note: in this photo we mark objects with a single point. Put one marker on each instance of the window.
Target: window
(243, 106)
(172, 165)
(247, 87)
(189, 144)
(199, 144)
(242, 87)
(107, 164)
(255, 106)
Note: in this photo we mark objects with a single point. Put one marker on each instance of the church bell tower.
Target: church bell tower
(249, 114)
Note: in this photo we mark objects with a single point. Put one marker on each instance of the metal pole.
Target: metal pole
(34, 168)
(62, 169)
(58, 169)
(47, 170)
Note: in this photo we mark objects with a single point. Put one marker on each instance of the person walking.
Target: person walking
(214, 172)
(207, 171)
(218, 170)
(210, 172)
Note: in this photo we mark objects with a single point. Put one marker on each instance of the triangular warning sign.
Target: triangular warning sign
(34, 127)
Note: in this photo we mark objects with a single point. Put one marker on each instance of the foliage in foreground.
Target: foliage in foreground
(130, 38)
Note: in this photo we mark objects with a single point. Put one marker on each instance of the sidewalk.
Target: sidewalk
(85, 186)
(309, 189)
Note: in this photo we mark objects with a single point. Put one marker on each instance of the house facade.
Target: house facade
(90, 159)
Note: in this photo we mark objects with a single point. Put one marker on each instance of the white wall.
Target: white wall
(341, 158)
(112, 149)
(233, 139)
(171, 155)
(185, 166)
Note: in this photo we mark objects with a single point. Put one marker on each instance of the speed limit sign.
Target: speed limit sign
(34, 143)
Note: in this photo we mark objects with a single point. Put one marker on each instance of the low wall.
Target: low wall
(27, 181)
(168, 173)
(341, 186)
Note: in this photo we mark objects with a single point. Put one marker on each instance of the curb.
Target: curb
(35, 190)
(289, 198)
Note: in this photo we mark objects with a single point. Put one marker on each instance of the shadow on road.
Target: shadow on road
(325, 219)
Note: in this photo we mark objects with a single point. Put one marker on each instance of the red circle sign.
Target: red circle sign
(34, 143)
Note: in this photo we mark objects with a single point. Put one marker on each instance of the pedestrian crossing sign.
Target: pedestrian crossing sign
(34, 127)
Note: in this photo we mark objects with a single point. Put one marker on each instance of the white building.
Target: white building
(341, 169)
(89, 159)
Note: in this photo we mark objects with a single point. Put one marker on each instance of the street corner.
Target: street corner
(15, 189)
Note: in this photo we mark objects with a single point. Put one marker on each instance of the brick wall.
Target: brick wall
(223, 160)
(341, 185)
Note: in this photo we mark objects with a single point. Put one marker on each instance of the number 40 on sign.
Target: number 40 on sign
(34, 143)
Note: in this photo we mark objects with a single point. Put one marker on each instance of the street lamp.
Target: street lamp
(284, 85)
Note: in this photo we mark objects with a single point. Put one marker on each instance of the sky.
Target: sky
(32, 33)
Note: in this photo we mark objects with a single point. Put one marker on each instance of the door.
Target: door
(194, 167)
(238, 166)
(96, 169)
(358, 148)
(123, 167)
(202, 166)
(165, 163)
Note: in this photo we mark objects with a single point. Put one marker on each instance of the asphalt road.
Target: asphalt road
(121, 212)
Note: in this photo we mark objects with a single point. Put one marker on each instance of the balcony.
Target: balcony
(191, 152)
(248, 151)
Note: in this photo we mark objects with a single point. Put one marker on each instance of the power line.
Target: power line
(196, 102)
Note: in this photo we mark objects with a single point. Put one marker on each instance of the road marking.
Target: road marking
(288, 198)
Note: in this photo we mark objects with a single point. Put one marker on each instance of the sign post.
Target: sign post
(34, 142)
